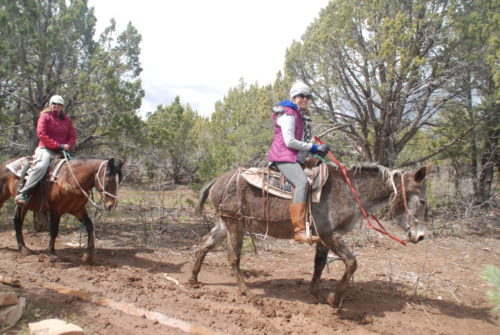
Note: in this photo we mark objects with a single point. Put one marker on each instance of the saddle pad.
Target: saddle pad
(18, 165)
(259, 178)
(277, 184)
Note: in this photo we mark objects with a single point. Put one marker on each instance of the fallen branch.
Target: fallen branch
(173, 280)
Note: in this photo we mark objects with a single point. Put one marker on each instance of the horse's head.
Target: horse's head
(108, 180)
(410, 205)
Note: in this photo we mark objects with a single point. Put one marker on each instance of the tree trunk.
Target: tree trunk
(473, 153)
(489, 157)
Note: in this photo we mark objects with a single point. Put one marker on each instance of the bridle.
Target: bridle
(103, 192)
(405, 202)
(101, 184)
(409, 214)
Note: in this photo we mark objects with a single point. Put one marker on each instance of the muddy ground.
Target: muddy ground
(143, 261)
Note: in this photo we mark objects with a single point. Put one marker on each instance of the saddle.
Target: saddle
(20, 167)
(275, 183)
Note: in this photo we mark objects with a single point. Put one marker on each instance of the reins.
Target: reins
(96, 177)
(381, 230)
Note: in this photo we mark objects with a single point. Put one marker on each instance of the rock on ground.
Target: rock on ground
(54, 327)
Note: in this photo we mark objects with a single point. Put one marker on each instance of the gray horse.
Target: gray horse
(243, 207)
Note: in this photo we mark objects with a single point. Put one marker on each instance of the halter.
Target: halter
(103, 177)
(408, 213)
(103, 192)
(403, 190)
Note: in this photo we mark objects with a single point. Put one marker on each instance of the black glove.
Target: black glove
(322, 149)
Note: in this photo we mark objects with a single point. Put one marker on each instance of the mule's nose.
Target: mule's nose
(416, 233)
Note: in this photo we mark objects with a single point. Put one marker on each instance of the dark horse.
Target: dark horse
(69, 194)
(241, 208)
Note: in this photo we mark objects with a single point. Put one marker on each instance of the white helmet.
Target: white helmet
(299, 88)
(56, 99)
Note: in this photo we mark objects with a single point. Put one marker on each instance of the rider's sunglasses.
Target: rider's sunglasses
(305, 96)
(58, 104)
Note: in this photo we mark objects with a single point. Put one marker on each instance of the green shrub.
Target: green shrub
(491, 274)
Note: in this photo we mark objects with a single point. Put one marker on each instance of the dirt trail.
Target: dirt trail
(430, 288)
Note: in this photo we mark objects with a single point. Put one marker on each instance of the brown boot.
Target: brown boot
(298, 213)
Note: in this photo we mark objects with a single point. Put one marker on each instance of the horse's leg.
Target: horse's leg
(209, 241)
(235, 242)
(89, 225)
(54, 232)
(340, 248)
(319, 264)
(18, 226)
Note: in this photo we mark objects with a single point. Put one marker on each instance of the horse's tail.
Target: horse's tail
(204, 195)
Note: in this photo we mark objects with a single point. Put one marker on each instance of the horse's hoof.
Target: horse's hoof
(87, 258)
(193, 283)
(247, 293)
(333, 300)
(25, 251)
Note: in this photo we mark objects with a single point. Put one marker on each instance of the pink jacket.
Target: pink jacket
(279, 152)
(52, 131)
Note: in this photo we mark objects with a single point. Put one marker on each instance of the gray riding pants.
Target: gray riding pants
(37, 171)
(295, 175)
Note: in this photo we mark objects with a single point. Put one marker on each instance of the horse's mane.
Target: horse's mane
(90, 157)
(387, 173)
(81, 159)
(370, 167)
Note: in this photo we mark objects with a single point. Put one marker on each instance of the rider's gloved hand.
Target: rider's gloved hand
(320, 149)
(323, 149)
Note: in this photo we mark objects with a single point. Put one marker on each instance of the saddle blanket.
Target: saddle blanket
(276, 184)
(17, 167)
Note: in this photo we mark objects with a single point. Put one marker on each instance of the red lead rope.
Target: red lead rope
(381, 230)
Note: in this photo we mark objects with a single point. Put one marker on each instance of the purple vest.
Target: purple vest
(279, 152)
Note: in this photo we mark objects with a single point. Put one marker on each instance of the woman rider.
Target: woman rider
(289, 150)
(55, 133)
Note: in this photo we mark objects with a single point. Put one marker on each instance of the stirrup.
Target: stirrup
(301, 237)
(22, 199)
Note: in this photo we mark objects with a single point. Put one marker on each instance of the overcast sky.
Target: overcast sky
(199, 49)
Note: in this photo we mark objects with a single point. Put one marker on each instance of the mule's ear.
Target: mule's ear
(422, 172)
